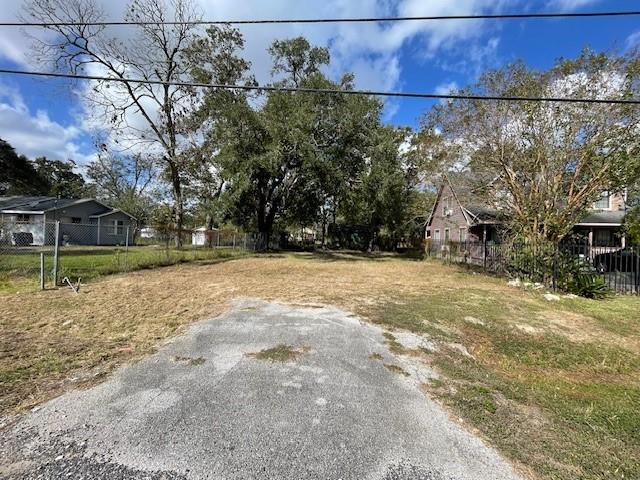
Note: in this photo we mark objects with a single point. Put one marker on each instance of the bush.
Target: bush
(545, 262)
(589, 285)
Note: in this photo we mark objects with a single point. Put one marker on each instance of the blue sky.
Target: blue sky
(43, 117)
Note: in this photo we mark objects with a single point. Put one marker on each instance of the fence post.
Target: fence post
(554, 271)
(637, 275)
(234, 241)
(41, 270)
(126, 252)
(56, 249)
(245, 241)
(484, 252)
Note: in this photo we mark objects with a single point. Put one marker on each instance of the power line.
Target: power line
(506, 16)
(436, 96)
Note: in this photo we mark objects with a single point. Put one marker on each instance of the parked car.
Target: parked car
(625, 260)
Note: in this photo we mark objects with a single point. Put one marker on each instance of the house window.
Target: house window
(21, 217)
(428, 233)
(76, 220)
(446, 234)
(604, 202)
(463, 234)
(603, 238)
(436, 235)
(118, 227)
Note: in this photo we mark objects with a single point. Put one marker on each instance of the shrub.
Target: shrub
(588, 285)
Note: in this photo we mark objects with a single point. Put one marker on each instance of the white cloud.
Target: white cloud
(369, 50)
(565, 5)
(34, 134)
(447, 87)
(372, 51)
(633, 40)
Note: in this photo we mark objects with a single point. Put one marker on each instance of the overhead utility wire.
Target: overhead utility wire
(451, 96)
(505, 16)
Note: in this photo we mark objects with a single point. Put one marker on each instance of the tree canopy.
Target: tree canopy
(42, 177)
(543, 163)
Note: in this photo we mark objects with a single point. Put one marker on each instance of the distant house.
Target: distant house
(203, 236)
(148, 232)
(462, 218)
(31, 221)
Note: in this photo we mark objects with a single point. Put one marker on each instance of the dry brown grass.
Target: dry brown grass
(55, 340)
(527, 373)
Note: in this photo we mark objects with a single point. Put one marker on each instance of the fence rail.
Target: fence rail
(88, 250)
(556, 265)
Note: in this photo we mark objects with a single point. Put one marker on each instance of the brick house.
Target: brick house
(462, 218)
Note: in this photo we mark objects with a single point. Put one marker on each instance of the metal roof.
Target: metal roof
(46, 204)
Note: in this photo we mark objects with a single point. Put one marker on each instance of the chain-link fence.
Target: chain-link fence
(33, 254)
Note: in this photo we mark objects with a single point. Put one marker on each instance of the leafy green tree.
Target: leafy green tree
(280, 159)
(544, 163)
(129, 183)
(632, 226)
(41, 177)
(18, 176)
(381, 198)
(297, 60)
(62, 181)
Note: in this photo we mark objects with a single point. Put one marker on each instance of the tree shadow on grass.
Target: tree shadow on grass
(357, 256)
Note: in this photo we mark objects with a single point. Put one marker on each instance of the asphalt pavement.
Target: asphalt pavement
(206, 407)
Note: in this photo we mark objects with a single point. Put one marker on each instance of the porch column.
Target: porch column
(591, 237)
(98, 236)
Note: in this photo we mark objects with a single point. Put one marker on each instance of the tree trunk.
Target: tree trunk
(179, 204)
(324, 228)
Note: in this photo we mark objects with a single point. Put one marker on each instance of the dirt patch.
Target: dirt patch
(579, 328)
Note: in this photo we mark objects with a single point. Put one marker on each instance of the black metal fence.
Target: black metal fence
(558, 266)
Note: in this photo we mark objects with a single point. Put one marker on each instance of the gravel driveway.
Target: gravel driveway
(205, 406)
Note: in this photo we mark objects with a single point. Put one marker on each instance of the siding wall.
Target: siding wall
(82, 211)
(453, 222)
(617, 202)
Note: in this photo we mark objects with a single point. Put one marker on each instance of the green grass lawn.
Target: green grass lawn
(554, 386)
(559, 392)
(22, 271)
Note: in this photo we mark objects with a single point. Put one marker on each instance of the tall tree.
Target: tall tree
(142, 116)
(42, 177)
(60, 178)
(382, 196)
(544, 163)
(280, 159)
(18, 176)
(214, 59)
(126, 182)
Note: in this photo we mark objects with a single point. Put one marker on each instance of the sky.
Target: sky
(42, 117)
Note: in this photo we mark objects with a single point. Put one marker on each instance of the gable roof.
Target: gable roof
(478, 214)
(48, 204)
(473, 214)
